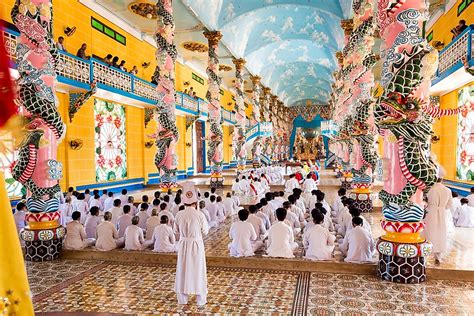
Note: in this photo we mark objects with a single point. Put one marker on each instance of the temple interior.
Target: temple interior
(318, 155)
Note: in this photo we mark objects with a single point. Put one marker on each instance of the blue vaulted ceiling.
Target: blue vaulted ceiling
(291, 44)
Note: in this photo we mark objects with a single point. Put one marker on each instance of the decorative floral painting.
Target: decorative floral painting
(7, 157)
(465, 148)
(110, 141)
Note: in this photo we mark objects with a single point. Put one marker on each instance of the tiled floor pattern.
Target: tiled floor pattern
(144, 289)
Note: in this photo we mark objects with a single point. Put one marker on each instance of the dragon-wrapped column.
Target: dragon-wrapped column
(257, 143)
(37, 168)
(239, 135)
(167, 134)
(408, 64)
(214, 150)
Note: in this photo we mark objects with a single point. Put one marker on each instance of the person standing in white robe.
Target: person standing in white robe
(163, 239)
(464, 215)
(134, 236)
(76, 238)
(244, 238)
(93, 220)
(358, 245)
(308, 186)
(291, 184)
(317, 240)
(281, 242)
(107, 235)
(436, 231)
(191, 225)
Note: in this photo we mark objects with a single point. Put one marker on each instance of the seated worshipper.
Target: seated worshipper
(464, 215)
(281, 242)
(320, 195)
(344, 213)
(257, 223)
(456, 203)
(66, 211)
(236, 187)
(267, 210)
(93, 220)
(221, 209)
(107, 235)
(291, 183)
(244, 185)
(109, 202)
(134, 234)
(337, 205)
(262, 215)
(470, 197)
(123, 197)
(102, 199)
(327, 223)
(142, 215)
(299, 200)
(157, 195)
(265, 182)
(346, 226)
(358, 246)
(229, 204)
(87, 196)
(133, 208)
(164, 211)
(244, 238)
(313, 199)
(19, 215)
(116, 211)
(166, 201)
(145, 200)
(291, 218)
(213, 209)
(308, 186)
(76, 238)
(207, 198)
(296, 210)
(317, 240)
(151, 223)
(124, 220)
(163, 238)
(155, 205)
(177, 203)
(95, 201)
(274, 203)
(202, 208)
(81, 206)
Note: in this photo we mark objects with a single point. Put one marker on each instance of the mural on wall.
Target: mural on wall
(8, 155)
(110, 141)
(465, 147)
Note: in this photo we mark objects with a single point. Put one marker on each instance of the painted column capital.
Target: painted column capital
(239, 63)
(213, 37)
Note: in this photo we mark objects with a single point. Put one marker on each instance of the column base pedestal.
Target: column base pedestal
(402, 270)
(362, 201)
(217, 182)
(346, 185)
(43, 250)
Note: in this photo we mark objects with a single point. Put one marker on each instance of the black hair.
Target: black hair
(253, 209)
(164, 219)
(76, 215)
(357, 221)
(156, 202)
(163, 206)
(464, 201)
(126, 209)
(20, 206)
(341, 192)
(243, 214)
(212, 198)
(281, 214)
(94, 211)
(124, 191)
(117, 202)
(144, 206)
(317, 216)
(145, 198)
(110, 194)
(81, 196)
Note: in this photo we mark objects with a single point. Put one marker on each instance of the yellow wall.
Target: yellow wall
(442, 28)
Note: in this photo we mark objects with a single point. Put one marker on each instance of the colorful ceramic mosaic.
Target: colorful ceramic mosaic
(465, 148)
(110, 141)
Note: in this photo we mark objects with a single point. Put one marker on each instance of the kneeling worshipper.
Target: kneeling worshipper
(190, 224)
(358, 245)
(76, 237)
(107, 235)
(317, 240)
(281, 242)
(244, 238)
(163, 239)
(464, 215)
(134, 236)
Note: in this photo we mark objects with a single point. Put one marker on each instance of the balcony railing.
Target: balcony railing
(263, 129)
(450, 57)
(78, 72)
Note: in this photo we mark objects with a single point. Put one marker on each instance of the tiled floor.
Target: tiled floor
(79, 286)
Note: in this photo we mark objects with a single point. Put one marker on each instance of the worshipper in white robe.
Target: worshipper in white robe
(299, 201)
(439, 201)
(93, 220)
(297, 210)
(354, 211)
(456, 203)
(244, 185)
(76, 238)
(262, 215)
(165, 211)
(257, 222)
(134, 235)
(464, 215)
(151, 223)
(87, 196)
(177, 203)
(327, 223)
(267, 209)
(244, 238)
(320, 195)
(308, 186)
(221, 212)
(317, 240)
(95, 201)
(116, 210)
(143, 216)
(81, 206)
(163, 238)
(470, 197)
(337, 205)
(123, 197)
(358, 246)
(109, 202)
(191, 225)
(203, 209)
(281, 242)
(291, 183)
(102, 199)
(124, 220)
(155, 205)
(19, 215)
(213, 209)
(343, 215)
(107, 235)
(291, 218)
(66, 210)
(313, 199)
(145, 200)
(229, 205)
(133, 208)
(273, 201)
